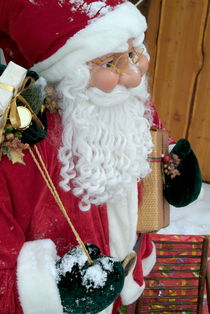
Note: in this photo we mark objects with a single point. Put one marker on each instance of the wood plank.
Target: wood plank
(203, 273)
(170, 297)
(176, 264)
(163, 302)
(165, 271)
(171, 278)
(208, 288)
(179, 59)
(199, 130)
(167, 310)
(172, 288)
(178, 255)
(179, 242)
(152, 11)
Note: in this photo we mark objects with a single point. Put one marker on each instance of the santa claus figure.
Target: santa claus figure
(95, 152)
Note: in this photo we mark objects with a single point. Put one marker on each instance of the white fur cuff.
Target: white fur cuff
(36, 278)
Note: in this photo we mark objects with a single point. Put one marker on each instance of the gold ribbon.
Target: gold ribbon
(11, 110)
(7, 87)
(3, 123)
(46, 176)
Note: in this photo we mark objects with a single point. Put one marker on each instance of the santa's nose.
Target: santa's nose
(131, 77)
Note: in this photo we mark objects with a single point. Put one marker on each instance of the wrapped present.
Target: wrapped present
(154, 209)
(23, 121)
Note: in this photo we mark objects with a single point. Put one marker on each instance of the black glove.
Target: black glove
(184, 188)
(86, 288)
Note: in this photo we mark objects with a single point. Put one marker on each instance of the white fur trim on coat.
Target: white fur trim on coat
(123, 217)
(104, 35)
(107, 310)
(131, 290)
(122, 237)
(149, 262)
(36, 278)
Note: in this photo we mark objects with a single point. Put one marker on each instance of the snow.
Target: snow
(193, 219)
(90, 9)
(95, 7)
(35, 2)
(107, 263)
(61, 2)
(94, 277)
(75, 257)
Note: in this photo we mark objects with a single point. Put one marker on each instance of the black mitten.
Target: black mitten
(184, 188)
(88, 288)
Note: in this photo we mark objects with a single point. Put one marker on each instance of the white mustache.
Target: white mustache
(118, 95)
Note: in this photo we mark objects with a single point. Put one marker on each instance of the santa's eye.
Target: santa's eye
(133, 57)
(107, 65)
(130, 54)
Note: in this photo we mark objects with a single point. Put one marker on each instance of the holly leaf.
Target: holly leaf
(16, 156)
(3, 151)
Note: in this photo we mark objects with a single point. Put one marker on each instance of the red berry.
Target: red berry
(166, 159)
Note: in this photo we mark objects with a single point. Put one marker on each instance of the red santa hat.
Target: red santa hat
(55, 36)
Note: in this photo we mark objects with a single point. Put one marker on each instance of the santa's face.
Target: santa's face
(106, 137)
(126, 69)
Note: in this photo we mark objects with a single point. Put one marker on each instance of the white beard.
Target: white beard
(106, 139)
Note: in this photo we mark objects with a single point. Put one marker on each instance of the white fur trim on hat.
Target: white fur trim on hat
(36, 278)
(104, 35)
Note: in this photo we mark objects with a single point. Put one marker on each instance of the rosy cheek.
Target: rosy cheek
(143, 65)
(130, 80)
(103, 79)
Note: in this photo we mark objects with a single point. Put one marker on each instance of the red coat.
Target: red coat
(28, 212)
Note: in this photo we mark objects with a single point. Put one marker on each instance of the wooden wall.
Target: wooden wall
(178, 41)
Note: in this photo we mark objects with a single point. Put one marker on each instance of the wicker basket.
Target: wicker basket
(154, 209)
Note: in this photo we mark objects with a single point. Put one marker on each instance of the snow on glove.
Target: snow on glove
(88, 288)
(184, 188)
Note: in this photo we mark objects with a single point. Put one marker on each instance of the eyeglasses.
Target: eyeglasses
(121, 62)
